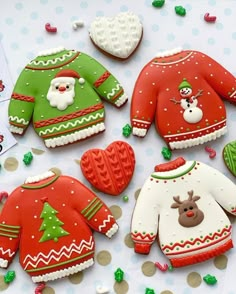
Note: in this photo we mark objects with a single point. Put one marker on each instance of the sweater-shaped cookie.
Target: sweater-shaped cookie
(50, 219)
(181, 92)
(60, 92)
(178, 205)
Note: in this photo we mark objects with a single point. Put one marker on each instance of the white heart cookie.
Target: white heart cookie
(117, 36)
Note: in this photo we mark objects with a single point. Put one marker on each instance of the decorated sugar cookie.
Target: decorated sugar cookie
(118, 36)
(181, 91)
(177, 205)
(60, 92)
(109, 170)
(50, 219)
(229, 156)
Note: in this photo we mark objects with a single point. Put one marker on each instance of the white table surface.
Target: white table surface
(22, 35)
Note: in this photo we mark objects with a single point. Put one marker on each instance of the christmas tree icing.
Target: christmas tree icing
(51, 225)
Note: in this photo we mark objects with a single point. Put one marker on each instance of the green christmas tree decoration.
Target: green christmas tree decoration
(51, 225)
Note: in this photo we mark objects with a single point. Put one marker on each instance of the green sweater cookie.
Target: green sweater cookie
(229, 156)
(61, 91)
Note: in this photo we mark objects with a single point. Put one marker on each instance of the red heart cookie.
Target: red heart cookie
(109, 170)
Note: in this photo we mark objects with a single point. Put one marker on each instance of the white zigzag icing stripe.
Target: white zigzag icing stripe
(52, 61)
(105, 222)
(71, 124)
(8, 251)
(54, 255)
(18, 120)
(113, 91)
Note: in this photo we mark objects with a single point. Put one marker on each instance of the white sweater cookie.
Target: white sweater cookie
(182, 199)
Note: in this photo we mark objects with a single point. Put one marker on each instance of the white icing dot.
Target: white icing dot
(209, 64)
(165, 109)
(10, 239)
(52, 188)
(167, 89)
(106, 210)
(63, 204)
(54, 227)
(162, 71)
(147, 73)
(95, 73)
(95, 220)
(211, 75)
(22, 190)
(22, 111)
(3, 222)
(72, 192)
(42, 116)
(50, 217)
(151, 102)
(74, 241)
(27, 84)
(89, 200)
(35, 216)
(75, 224)
(153, 84)
(195, 78)
(32, 236)
(48, 235)
(17, 207)
(36, 200)
(140, 92)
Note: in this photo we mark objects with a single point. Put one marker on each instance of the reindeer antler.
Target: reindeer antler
(176, 198)
(190, 193)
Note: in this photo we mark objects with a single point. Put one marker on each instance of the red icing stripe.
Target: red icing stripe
(200, 257)
(140, 237)
(101, 79)
(170, 165)
(63, 118)
(22, 97)
(198, 240)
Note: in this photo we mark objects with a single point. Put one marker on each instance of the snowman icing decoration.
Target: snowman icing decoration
(192, 114)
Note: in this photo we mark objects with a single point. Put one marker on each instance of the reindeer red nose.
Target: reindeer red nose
(190, 213)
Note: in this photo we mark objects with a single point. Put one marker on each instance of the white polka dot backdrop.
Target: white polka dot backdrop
(22, 36)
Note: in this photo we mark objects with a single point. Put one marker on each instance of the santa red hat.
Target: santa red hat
(67, 76)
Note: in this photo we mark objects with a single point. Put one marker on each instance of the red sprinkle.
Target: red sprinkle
(50, 29)
(163, 268)
(40, 288)
(209, 18)
(3, 194)
(212, 152)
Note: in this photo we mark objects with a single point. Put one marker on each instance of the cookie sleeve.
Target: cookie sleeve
(102, 81)
(144, 224)
(21, 104)
(221, 188)
(220, 79)
(144, 99)
(94, 211)
(10, 230)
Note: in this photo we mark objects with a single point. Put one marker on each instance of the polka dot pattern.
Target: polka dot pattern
(104, 257)
(148, 268)
(116, 211)
(220, 262)
(194, 280)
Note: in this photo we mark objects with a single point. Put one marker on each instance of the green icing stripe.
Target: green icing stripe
(87, 207)
(88, 213)
(59, 264)
(41, 186)
(175, 176)
(9, 226)
(8, 235)
(95, 211)
(10, 230)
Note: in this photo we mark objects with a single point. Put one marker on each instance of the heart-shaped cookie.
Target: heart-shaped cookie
(109, 170)
(118, 36)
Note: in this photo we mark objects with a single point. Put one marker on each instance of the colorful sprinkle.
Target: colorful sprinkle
(166, 152)
(28, 157)
(9, 277)
(77, 24)
(119, 275)
(180, 10)
(170, 268)
(125, 198)
(149, 291)
(50, 29)
(126, 130)
(212, 152)
(40, 288)
(210, 280)
(163, 268)
(209, 18)
(158, 3)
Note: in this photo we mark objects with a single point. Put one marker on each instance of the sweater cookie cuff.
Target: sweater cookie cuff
(139, 132)
(3, 263)
(112, 231)
(16, 130)
(121, 100)
(142, 248)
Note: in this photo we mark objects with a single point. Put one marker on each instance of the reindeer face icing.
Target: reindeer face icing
(189, 213)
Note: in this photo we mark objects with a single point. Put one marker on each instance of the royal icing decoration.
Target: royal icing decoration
(68, 85)
(177, 205)
(181, 91)
(51, 226)
(229, 156)
(117, 36)
(109, 170)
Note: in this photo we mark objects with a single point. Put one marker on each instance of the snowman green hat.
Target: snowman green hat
(184, 84)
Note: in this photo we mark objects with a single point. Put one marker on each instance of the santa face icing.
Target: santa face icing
(61, 92)
(181, 91)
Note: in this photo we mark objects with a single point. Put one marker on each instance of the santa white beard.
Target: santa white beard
(61, 100)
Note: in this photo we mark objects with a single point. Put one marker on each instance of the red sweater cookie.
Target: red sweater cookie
(49, 218)
(181, 91)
